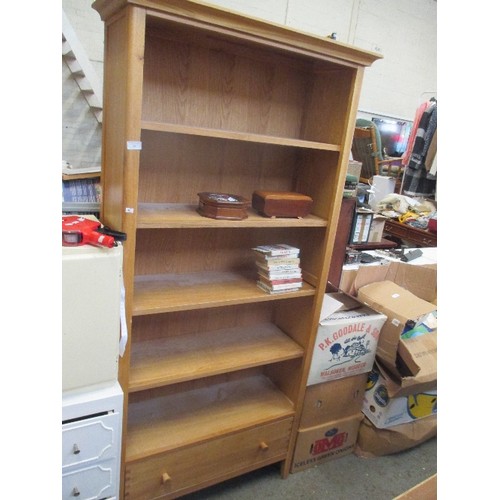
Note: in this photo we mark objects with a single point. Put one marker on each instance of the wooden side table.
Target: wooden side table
(417, 237)
(371, 245)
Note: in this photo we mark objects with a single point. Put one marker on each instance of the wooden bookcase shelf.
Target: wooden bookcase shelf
(177, 215)
(237, 136)
(160, 294)
(177, 359)
(199, 98)
(169, 422)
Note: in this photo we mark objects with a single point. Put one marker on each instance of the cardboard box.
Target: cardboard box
(404, 310)
(360, 228)
(403, 358)
(333, 400)
(395, 271)
(316, 445)
(373, 442)
(346, 339)
(377, 228)
(419, 280)
(384, 410)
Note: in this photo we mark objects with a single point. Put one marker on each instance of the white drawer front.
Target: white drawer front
(93, 482)
(90, 440)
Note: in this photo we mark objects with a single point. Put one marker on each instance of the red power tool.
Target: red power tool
(77, 230)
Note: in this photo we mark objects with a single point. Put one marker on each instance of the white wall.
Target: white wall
(403, 31)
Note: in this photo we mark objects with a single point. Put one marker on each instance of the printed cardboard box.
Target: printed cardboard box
(404, 311)
(384, 410)
(316, 445)
(333, 400)
(346, 339)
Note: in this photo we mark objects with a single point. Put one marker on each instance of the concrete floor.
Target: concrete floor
(349, 477)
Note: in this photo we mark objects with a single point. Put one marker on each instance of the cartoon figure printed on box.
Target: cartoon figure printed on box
(352, 350)
(417, 405)
(422, 405)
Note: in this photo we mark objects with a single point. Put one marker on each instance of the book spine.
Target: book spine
(274, 284)
(273, 261)
(277, 250)
(280, 276)
(272, 291)
(81, 190)
(283, 286)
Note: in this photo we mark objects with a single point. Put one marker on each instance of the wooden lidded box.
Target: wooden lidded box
(223, 206)
(281, 203)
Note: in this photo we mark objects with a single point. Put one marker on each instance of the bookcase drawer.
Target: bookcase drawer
(180, 471)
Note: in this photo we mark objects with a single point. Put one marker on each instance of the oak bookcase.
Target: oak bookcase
(198, 98)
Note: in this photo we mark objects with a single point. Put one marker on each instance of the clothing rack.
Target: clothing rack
(429, 95)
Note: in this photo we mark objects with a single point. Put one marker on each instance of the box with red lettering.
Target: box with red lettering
(319, 444)
(346, 339)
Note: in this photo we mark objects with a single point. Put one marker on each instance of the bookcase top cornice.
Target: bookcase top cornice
(257, 30)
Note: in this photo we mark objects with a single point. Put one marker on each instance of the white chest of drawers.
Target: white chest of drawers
(91, 443)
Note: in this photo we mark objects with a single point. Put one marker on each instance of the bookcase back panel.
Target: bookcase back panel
(215, 89)
(202, 383)
(224, 86)
(188, 322)
(176, 167)
(184, 251)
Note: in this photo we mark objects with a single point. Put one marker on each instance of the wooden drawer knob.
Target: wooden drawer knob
(263, 446)
(165, 478)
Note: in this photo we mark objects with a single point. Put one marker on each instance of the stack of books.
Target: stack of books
(278, 268)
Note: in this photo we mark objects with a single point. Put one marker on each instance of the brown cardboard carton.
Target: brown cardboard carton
(398, 386)
(417, 359)
(333, 400)
(316, 445)
(401, 307)
(426, 489)
(377, 228)
(373, 442)
(419, 280)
